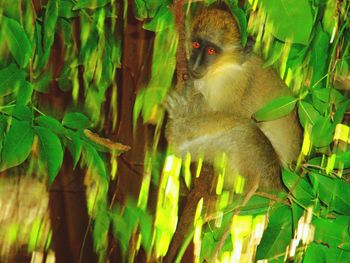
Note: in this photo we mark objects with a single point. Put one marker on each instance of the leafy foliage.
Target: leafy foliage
(307, 42)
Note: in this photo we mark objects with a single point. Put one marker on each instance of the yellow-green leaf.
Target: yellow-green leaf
(275, 109)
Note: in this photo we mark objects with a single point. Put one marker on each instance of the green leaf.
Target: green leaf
(322, 132)
(162, 20)
(17, 144)
(10, 78)
(43, 83)
(23, 113)
(75, 146)
(307, 113)
(91, 4)
(101, 228)
(140, 9)
(345, 246)
(299, 187)
(66, 9)
(278, 234)
(332, 232)
(319, 57)
(335, 255)
(327, 95)
(51, 123)
(333, 192)
(94, 161)
(289, 20)
(276, 108)
(51, 15)
(296, 55)
(315, 253)
(42, 56)
(120, 231)
(341, 110)
(51, 151)
(208, 245)
(17, 41)
(320, 106)
(241, 19)
(146, 224)
(25, 92)
(297, 213)
(342, 159)
(76, 120)
(3, 127)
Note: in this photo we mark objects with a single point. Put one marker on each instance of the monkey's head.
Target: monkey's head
(214, 34)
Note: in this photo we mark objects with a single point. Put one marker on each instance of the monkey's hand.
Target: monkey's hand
(176, 105)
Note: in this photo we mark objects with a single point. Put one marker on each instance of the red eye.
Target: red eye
(211, 51)
(195, 44)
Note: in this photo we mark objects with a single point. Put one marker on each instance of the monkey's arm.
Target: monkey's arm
(200, 126)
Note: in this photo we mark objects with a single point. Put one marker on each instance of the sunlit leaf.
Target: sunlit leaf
(275, 109)
(51, 151)
(10, 78)
(17, 144)
(289, 19)
(91, 4)
(76, 120)
(307, 113)
(17, 41)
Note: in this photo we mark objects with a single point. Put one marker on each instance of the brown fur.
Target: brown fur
(214, 113)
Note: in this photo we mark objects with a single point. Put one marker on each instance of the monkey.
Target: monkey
(214, 113)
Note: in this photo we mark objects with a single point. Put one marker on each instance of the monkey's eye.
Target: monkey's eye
(211, 51)
(195, 44)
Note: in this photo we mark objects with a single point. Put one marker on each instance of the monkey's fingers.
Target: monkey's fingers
(176, 104)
